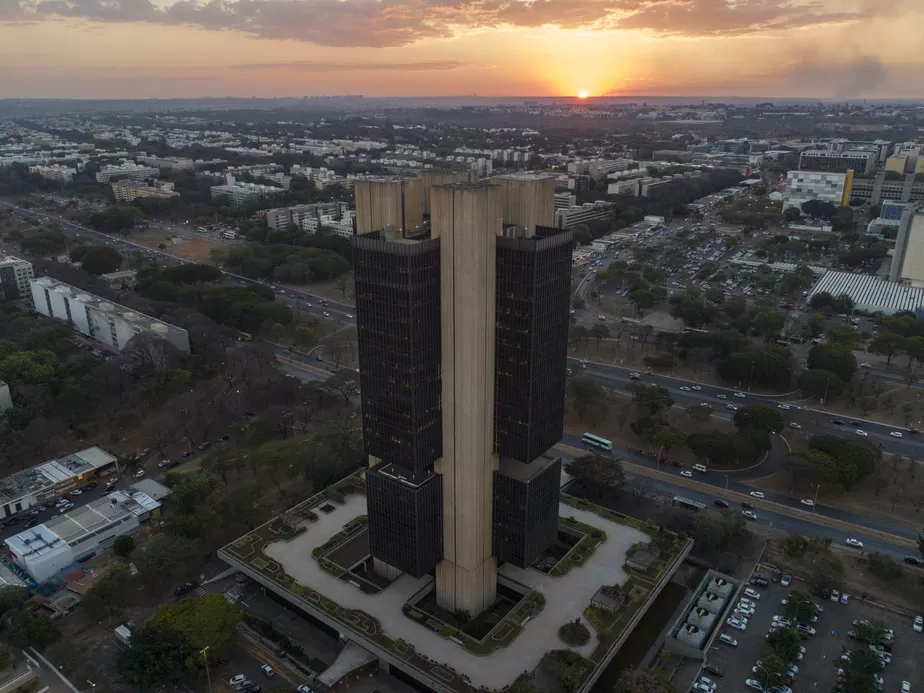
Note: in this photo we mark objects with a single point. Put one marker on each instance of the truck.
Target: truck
(123, 634)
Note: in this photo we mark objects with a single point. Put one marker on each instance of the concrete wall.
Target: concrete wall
(467, 219)
(385, 202)
(528, 201)
(432, 177)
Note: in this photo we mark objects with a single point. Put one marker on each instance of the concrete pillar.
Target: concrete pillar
(467, 219)
(389, 572)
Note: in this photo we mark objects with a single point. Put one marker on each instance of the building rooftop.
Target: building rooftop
(51, 473)
(870, 293)
(142, 321)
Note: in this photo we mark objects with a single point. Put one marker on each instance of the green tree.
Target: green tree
(279, 459)
(207, 621)
(12, 598)
(110, 593)
(796, 545)
(786, 643)
(827, 572)
(305, 337)
(124, 545)
(642, 299)
(587, 398)
(762, 417)
(643, 681)
(815, 325)
(32, 630)
(771, 668)
(769, 323)
(596, 476)
(668, 437)
(887, 344)
(700, 412)
(820, 383)
(885, 567)
(835, 358)
(101, 259)
(654, 398)
(720, 531)
(155, 657)
(799, 606)
(167, 560)
(872, 632)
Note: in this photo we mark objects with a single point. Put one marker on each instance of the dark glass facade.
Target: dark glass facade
(525, 509)
(398, 331)
(533, 300)
(405, 518)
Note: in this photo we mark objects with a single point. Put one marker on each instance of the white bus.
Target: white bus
(590, 440)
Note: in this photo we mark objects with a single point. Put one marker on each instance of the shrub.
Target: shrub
(574, 633)
(884, 567)
(796, 545)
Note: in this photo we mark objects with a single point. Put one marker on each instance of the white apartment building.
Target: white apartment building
(239, 194)
(581, 214)
(300, 215)
(339, 227)
(564, 200)
(99, 319)
(128, 190)
(15, 275)
(802, 186)
(62, 174)
(128, 170)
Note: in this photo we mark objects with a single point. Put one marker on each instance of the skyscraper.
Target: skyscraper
(463, 344)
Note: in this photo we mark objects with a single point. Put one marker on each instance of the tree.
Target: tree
(842, 220)
(207, 621)
(596, 476)
(817, 382)
(155, 657)
(796, 545)
(769, 323)
(588, 398)
(344, 383)
(643, 681)
(110, 593)
(124, 545)
(642, 299)
(762, 417)
(835, 358)
(885, 567)
(668, 437)
(101, 259)
(33, 630)
(785, 642)
(167, 560)
(720, 531)
(799, 606)
(652, 397)
(305, 337)
(771, 669)
(887, 344)
(827, 572)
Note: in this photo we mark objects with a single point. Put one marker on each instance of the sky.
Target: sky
(193, 48)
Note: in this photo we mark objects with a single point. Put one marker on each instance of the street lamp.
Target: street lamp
(751, 377)
(815, 502)
(726, 482)
(205, 656)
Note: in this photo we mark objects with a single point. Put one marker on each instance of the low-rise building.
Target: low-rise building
(581, 214)
(56, 172)
(239, 194)
(15, 275)
(876, 189)
(860, 162)
(99, 319)
(802, 186)
(127, 170)
(120, 280)
(128, 190)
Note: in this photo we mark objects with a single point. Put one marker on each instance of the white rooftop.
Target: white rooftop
(36, 479)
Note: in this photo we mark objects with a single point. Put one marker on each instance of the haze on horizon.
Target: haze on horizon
(266, 48)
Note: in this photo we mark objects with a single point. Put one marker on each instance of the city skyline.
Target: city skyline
(168, 48)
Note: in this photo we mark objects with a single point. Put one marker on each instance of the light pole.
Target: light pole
(726, 482)
(205, 656)
(751, 377)
(815, 502)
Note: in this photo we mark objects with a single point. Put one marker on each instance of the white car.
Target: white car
(325, 313)
(751, 593)
(756, 494)
(781, 622)
(752, 683)
(860, 432)
(784, 407)
(749, 514)
(684, 388)
(856, 543)
(918, 624)
(809, 503)
(895, 434)
(705, 404)
(709, 683)
(237, 681)
(697, 388)
(737, 623)
(865, 365)
(739, 395)
(76, 492)
(687, 473)
(721, 397)
(747, 602)
(731, 407)
(743, 611)
(906, 687)
(728, 640)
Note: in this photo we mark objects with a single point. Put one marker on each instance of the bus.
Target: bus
(693, 505)
(590, 440)
(244, 336)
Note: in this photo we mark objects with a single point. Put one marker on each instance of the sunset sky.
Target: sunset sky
(188, 48)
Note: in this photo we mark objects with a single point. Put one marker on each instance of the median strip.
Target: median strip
(761, 502)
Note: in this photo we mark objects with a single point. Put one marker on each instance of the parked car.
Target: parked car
(753, 683)
(185, 588)
(713, 669)
(751, 593)
(237, 681)
(787, 580)
(756, 494)
(268, 670)
(728, 640)
(139, 474)
(918, 624)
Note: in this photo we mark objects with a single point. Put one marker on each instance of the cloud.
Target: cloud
(855, 78)
(311, 66)
(388, 23)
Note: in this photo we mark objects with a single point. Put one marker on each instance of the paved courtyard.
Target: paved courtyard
(566, 596)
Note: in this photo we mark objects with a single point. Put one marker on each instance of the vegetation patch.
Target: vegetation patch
(574, 633)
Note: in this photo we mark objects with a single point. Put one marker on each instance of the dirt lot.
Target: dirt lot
(187, 247)
(615, 427)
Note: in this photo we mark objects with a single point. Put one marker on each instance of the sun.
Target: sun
(583, 94)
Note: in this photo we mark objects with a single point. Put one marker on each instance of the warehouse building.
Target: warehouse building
(871, 294)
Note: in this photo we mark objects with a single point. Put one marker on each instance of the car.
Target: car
(753, 683)
(250, 687)
(918, 624)
(806, 501)
(860, 432)
(63, 509)
(705, 404)
(784, 407)
(696, 388)
(756, 494)
(163, 463)
(844, 598)
(325, 314)
(709, 683)
(856, 543)
(205, 445)
(854, 422)
(719, 502)
(896, 434)
(837, 422)
(906, 687)
(795, 426)
(750, 514)
(268, 670)
(349, 316)
(302, 688)
(185, 588)
(139, 474)
(913, 560)
(787, 580)
(76, 492)
(737, 624)
(731, 407)
(747, 602)
(865, 365)
(31, 523)
(721, 396)
(728, 640)
(739, 395)
(835, 595)
(684, 388)
(743, 612)
(713, 669)
(35, 511)
(808, 630)
(913, 431)
(698, 687)
(237, 681)
(687, 473)
(781, 621)
(751, 593)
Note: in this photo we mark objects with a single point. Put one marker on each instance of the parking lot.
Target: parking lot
(817, 670)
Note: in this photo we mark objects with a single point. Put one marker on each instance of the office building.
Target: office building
(55, 172)
(563, 200)
(435, 176)
(462, 342)
(878, 188)
(802, 186)
(525, 199)
(897, 164)
(240, 194)
(302, 215)
(908, 258)
(389, 203)
(128, 190)
(15, 276)
(581, 214)
(99, 319)
(126, 171)
(860, 162)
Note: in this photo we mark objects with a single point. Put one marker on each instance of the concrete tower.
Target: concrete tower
(466, 217)
(435, 176)
(388, 203)
(528, 200)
